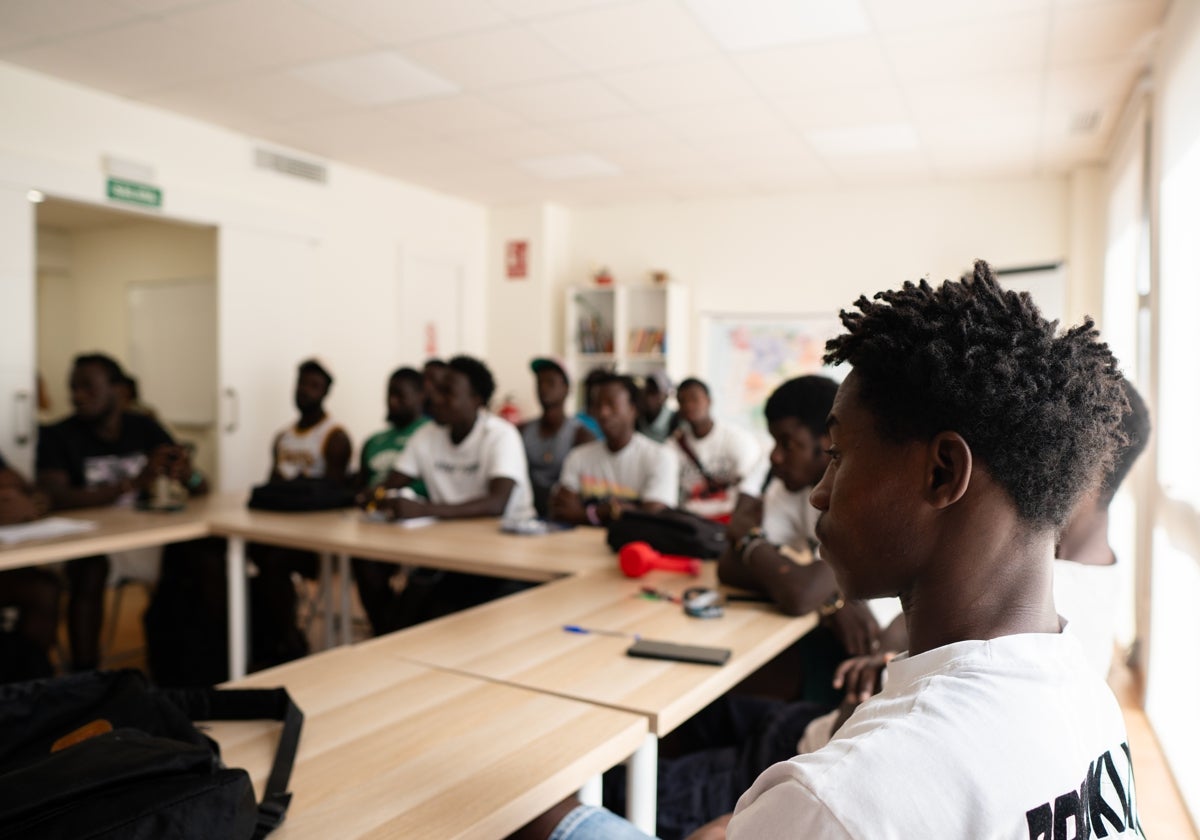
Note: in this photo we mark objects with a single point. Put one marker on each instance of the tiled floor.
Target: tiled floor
(1159, 803)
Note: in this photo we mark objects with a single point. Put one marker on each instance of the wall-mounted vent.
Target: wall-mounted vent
(295, 167)
(1085, 122)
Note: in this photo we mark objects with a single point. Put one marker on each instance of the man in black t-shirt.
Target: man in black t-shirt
(101, 455)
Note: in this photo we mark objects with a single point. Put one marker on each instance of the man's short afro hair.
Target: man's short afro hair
(477, 373)
(1042, 411)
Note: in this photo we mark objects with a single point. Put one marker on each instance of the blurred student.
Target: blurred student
(550, 437)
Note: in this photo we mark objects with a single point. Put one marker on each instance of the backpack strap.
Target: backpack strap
(254, 704)
(711, 483)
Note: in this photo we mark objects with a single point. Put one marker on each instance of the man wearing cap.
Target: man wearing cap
(550, 437)
(655, 420)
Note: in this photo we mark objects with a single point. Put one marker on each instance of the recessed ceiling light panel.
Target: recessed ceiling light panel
(754, 24)
(569, 167)
(864, 140)
(376, 78)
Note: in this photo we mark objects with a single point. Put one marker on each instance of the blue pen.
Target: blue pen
(575, 628)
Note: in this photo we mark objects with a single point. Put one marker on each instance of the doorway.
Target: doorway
(141, 290)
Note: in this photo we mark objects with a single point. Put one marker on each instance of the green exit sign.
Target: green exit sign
(132, 192)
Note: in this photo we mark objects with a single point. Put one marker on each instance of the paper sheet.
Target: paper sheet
(44, 529)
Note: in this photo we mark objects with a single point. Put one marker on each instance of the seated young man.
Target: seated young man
(625, 470)
(961, 441)
(315, 446)
(472, 464)
(405, 414)
(102, 455)
(550, 437)
(714, 458)
(654, 419)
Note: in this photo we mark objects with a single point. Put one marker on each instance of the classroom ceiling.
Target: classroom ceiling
(603, 101)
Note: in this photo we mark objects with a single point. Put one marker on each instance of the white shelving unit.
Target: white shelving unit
(633, 329)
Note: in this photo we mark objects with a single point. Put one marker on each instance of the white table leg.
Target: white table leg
(327, 598)
(345, 574)
(592, 792)
(238, 606)
(641, 794)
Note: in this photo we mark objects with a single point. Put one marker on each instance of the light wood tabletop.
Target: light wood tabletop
(469, 545)
(398, 750)
(521, 640)
(117, 529)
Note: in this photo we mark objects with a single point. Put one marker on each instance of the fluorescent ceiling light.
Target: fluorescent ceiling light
(752, 24)
(569, 167)
(376, 78)
(864, 140)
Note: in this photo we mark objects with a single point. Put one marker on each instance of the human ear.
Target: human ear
(948, 470)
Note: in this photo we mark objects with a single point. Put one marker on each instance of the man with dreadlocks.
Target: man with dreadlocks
(960, 442)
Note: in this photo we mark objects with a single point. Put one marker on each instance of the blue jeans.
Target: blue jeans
(586, 822)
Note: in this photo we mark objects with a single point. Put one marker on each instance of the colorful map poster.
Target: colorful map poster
(745, 357)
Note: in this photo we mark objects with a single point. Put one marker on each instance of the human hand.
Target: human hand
(861, 676)
(855, 627)
(405, 508)
(17, 506)
(714, 830)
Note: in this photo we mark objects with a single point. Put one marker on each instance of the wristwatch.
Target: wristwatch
(831, 604)
(755, 533)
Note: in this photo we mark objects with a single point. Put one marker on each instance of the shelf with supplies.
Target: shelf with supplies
(631, 328)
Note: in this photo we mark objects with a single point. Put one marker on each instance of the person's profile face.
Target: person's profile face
(613, 410)
(798, 458)
(652, 399)
(454, 403)
(694, 404)
(405, 400)
(92, 394)
(311, 388)
(552, 388)
(870, 526)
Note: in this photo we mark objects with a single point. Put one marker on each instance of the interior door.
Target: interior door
(265, 288)
(18, 317)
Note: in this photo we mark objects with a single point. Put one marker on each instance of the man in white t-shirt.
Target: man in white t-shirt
(952, 470)
(473, 465)
(625, 470)
(471, 461)
(714, 458)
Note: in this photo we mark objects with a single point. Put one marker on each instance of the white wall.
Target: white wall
(55, 136)
(817, 252)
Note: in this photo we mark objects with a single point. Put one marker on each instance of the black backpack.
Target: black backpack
(300, 494)
(669, 531)
(103, 755)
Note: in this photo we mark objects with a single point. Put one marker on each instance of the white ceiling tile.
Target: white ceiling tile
(916, 15)
(691, 82)
(570, 167)
(524, 9)
(334, 137)
(30, 21)
(598, 191)
(400, 22)
(615, 133)
(960, 148)
(705, 182)
(755, 148)
(517, 144)
(728, 119)
(1102, 31)
(496, 58)
(864, 140)
(784, 72)
(375, 78)
(1012, 43)
(819, 108)
(628, 35)
(754, 24)
(993, 97)
(130, 60)
(452, 117)
(1098, 91)
(666, 154)
(270, 33)
(899, 166)
(156, 7)
(574, 99)
(273, 97)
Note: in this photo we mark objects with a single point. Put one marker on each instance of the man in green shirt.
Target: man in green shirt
(405, 406)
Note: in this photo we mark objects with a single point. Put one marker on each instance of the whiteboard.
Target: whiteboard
(173, 348)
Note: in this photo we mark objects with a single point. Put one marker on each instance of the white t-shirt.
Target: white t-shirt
(730, 455)
(1087, 597)
(992, 740)
(457, 474)
(642, 469)
(300, 453)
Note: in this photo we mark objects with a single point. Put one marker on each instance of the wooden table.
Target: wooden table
(394, 749)
(520, 640)
(475, 546)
